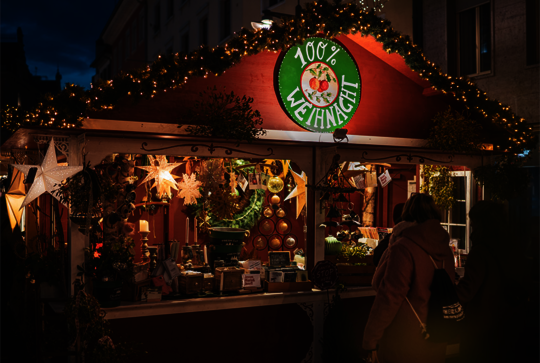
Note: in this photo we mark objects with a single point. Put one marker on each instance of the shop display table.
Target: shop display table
(140, 309)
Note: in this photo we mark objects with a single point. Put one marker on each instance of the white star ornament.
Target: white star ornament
(49, 174)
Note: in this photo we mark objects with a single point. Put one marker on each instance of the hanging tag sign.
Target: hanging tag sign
(371, 179)
(242, 182)
(254, 181)
(385, 178)
(359, 181)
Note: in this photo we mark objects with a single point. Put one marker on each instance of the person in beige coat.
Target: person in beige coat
(393, 332)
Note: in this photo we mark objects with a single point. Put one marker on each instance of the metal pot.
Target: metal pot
(226, 233)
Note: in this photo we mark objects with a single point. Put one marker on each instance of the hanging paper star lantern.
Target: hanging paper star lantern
(160, 170)
(15, 197)
(189, 189)
(299, 191)
(48, 176)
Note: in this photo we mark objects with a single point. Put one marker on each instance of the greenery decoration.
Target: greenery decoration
(453, 131)
(439, 184)
(224, 115)
(318, 18)
(113, 260)
(360, 250)
(504, 179)
(82, 192)
(90, 330)
(239, 212)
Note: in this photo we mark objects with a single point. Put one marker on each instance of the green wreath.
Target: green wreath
(245, 219)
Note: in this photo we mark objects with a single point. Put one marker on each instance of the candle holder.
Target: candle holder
(153, 257)
(144, 246)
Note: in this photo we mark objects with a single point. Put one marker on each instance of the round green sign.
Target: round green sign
(319, 85)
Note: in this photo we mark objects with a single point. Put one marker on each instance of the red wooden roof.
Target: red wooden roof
(395, 101)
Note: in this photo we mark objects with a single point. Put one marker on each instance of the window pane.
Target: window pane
(444, 215)
(458, 213)
(458, 233)
(485, 38)
(467, 42)
(225, 19)
(460, 191)
(203, 31)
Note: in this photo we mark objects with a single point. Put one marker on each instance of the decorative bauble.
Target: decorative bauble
(282, 226)
(290, 242)
(268, 212)
(275, 184)
(260, 243)
(281, 213)
(275, 199)
(275, 243)
(266, 227)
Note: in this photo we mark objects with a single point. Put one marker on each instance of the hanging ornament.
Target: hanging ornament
(223, 204)
(275, 243)
(259, 243)
(281, 213)
(232, 183)
(212, 174)
(160, 170)
(275, 184)
(282, 226)
(189, 189)
(267, 227)
(268, 212)
(299, 192)
(48, 175)
(275, 199)
(290, 242)
(15, 197)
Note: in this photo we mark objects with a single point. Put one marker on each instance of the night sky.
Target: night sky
(58, 33)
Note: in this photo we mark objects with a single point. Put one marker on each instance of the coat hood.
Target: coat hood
(431, 237)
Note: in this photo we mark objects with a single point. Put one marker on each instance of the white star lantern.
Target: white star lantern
(299, 192)
(49, 174)
(161, 173)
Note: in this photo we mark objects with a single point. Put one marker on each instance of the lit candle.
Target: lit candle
(143, 226)
(187, 231)
(195, 230)
(205, 256)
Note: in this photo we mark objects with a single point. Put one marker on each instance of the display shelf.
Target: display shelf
(166, 307)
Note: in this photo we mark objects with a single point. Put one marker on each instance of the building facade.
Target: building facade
(138, 32)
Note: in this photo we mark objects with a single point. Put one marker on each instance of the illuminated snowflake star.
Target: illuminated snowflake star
(189, 189)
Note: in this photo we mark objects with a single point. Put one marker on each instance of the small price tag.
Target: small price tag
(251, 280)
(385, 178)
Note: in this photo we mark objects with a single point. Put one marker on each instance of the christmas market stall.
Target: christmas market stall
(227, 190)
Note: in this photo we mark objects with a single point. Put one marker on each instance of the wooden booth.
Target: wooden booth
(340, 107)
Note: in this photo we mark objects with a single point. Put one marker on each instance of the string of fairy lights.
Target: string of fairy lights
(72, 105)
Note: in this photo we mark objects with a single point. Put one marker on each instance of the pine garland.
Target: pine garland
(318, 18)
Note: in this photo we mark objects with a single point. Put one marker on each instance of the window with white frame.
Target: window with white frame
(475, 40)
(456, 219)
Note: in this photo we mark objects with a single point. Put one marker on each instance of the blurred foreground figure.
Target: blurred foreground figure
(393, 332)
(483, 291)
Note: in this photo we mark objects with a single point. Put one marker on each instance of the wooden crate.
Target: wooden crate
(228, 278)
(209, 284)
(287, 286)
(191, 284)
(351, 275)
